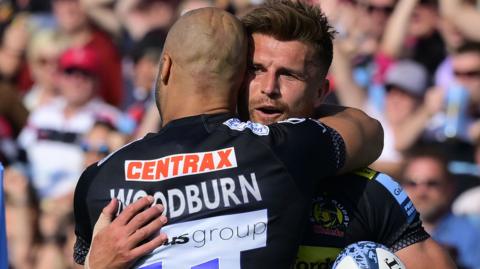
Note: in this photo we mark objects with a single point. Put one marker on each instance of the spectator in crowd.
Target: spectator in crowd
(431, 188)
(42, 53)
(6, 13)
(468, 203)
(379, 11)
(75, 26)
(13, 43)
(139, 17)
(54, 214)
(187, 5)
(463, 15)
(405, 89)
(13, 116)
(412, 31)
(102, 13)
(54, 130)
(441, 106)
(466, 70)
(374, 38)
(443, 76)
(35, 230)
(361, 37)
(30, 5)
(405, 85)
(22, 213)
(144, 55)
(359, 63)
(102, 139)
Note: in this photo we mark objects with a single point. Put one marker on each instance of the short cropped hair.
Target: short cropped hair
(430, 151)
(468, 47)
(289, 20)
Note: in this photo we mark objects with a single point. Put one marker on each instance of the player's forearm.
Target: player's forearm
(425, 254)
(397, 27)
(362, 134)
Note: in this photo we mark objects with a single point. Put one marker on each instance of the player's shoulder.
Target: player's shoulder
(236, 125)
(259, 129)
(358, 179)
(375, 180)
(366, 174)
(382, 189)
(85, 181)
(372, 182)
(372, 177)
(301, 123)
(389, 184)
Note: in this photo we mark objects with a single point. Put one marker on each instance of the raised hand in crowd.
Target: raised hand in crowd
(469, 19)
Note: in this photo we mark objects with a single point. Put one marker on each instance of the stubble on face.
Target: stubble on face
(283, 81)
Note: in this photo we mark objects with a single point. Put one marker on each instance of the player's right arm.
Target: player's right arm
(362, 135)
(425, 254)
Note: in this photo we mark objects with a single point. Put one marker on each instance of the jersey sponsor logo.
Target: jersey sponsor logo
(366, 173)
(256, 128)
(399, 194)
(328, 217)
(202, 196)
(392, 264)
(309, 257)
(215, 242)
(293, 120)
(178, 165)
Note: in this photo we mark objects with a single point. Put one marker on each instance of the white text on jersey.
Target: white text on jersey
(205, 195)
(180, 165)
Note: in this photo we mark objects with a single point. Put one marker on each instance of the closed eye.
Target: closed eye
(255, 69)
(291, 75)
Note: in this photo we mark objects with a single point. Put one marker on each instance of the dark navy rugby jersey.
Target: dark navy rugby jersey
(364, 205)
(236, 193)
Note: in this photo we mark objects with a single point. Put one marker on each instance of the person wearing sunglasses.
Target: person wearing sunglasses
(450, 110)
(102, 139)
(52, 137)
(431, 188)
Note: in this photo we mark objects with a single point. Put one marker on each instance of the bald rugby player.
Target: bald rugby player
(292, 52)
(235, 193)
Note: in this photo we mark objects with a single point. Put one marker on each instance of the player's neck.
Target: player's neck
(192, 107)
(184, 98)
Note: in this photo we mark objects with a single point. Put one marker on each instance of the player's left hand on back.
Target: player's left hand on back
(119, 243)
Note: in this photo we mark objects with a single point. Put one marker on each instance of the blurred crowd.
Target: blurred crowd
(76, 79)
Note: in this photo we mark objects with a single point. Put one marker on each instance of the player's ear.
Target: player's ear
(165, 69)
(323, 91)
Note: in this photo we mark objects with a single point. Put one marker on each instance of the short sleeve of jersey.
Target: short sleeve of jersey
(310, 141)
(395, 221)
(83, 228)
